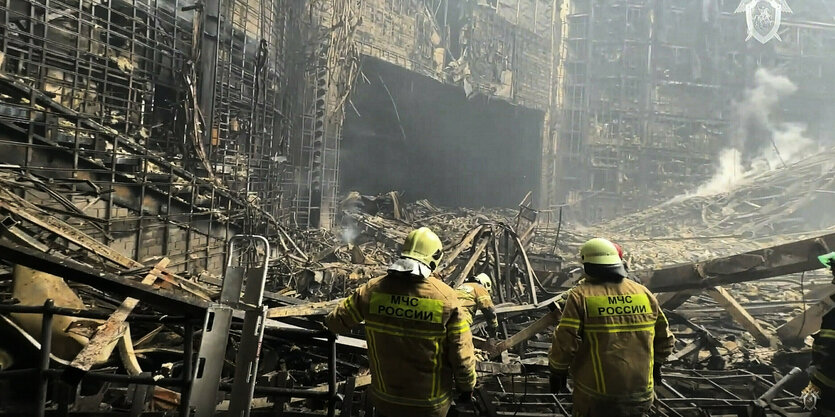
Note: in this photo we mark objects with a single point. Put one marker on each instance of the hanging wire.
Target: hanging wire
(524, 393)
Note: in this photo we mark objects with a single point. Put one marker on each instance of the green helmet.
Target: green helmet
(599, 251)
(424, 246)
(485, 282)
(827, 260)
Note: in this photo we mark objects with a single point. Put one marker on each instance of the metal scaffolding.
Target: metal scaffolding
(102, 100)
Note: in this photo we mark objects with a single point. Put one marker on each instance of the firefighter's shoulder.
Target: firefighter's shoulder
(442, 291)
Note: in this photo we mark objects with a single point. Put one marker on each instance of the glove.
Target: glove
(491, 331)
(656, 372)
(465, 398)
(558, 383)
(810, 396)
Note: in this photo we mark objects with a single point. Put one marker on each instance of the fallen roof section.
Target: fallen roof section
(784, 259)
(104, 281)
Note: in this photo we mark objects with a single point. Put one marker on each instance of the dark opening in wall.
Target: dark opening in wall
(413, 134)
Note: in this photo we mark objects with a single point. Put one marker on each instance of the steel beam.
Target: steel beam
(75, 271)
(209, 41)
(788, 258)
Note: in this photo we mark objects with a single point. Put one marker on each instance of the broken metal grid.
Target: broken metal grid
(328, 79)
(119, 65)
(682, 393)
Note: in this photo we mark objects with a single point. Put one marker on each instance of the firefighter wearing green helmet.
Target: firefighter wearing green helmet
(419, 343)
(819, 395)
(612, 339)
(477, 294)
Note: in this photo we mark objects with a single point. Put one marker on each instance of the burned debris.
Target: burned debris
(190, 190)
(132, 351)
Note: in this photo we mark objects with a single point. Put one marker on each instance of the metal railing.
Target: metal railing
(44, 375)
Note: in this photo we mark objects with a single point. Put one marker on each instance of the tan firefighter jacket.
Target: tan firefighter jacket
(823, 359)
(609, 337)
(418, 343)
(473, 297)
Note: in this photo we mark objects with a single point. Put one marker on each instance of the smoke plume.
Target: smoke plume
(759, 143)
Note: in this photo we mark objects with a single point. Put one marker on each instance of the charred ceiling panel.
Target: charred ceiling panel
(497, 49)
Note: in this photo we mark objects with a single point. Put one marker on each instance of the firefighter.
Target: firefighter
(820, 393)
(612, 338)
(419, 341)
(562, 296)
(477, 294)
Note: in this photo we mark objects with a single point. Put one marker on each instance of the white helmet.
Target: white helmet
(485, 282)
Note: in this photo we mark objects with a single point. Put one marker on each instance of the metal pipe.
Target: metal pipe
(280, 391)
(43, 363)
(61, 311)
(332, 375)
(97, 376)
(557, 238)
(498, 265)
(188, 373)
(712, 382)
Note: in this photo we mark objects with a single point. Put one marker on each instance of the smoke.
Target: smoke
(730, 168)
(349, 229)
(760, 143)
(349, 232)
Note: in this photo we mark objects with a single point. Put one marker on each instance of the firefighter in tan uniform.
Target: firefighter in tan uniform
(819, 395)
(419, 342)
(612, 338)
(477, 294)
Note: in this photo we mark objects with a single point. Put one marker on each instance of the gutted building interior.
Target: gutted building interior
(191, 192)
(435, 143)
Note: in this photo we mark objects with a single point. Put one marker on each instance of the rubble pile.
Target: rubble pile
(315, 269)
(759, 210)
(367, 240)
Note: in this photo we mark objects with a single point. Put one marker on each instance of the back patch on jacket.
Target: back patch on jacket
(618, 305)
(406, 307)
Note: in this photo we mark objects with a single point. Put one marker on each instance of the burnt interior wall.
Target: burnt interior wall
(97, 100)
(499, 49)
(410, 133)
(646, 101)
(650, 91)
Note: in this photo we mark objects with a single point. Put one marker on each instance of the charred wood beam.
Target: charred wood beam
(740, 315)
(550, 319)
(807, 322)
(775, 261)
(111, 331)
(288, 325)
(465, 243)
(312, 309)
(479, 249)
(674, 300)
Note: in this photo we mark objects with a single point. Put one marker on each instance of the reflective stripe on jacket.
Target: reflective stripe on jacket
(609, 337)
(473, 297)
(418, 342)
